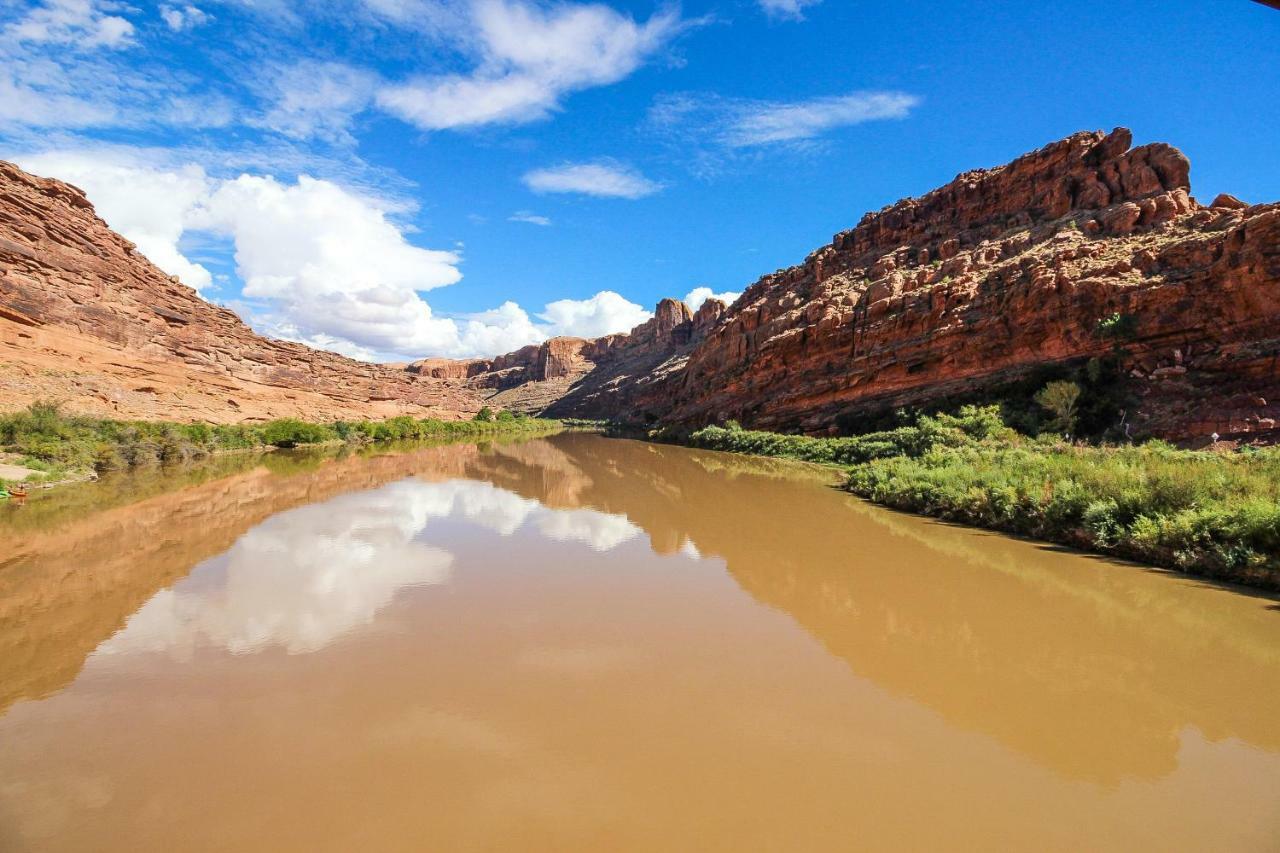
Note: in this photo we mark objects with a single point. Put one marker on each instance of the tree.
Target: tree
(485, 415)
(1059, 399)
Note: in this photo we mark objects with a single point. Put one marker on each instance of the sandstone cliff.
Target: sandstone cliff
(1088, 249)
(86, 320)
(982, 283)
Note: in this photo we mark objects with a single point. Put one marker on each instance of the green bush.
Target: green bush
(290, 432)
(484, 415)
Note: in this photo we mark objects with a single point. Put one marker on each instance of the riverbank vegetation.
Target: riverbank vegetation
(45, 439)
(1214, 513)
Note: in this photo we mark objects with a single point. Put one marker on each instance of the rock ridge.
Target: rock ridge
(87, 320)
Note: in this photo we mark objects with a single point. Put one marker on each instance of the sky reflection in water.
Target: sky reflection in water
(306, 577)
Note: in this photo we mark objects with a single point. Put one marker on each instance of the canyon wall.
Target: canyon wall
(87, 320)
(1088, 248)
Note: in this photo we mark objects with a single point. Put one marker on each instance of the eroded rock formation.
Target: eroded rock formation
(1086, 249)
(87, 320)
(981, 283)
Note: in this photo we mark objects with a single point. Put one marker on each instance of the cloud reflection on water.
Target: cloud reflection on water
(304, 578)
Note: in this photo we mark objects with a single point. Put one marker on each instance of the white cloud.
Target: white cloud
(331, 262)
(793, 9)
(300, 580)
(321, 263)
(767, 122)
(318, 100)
(599, 531)
(77, 23)
(694, 298)
(148, 206)
(710, 133)
(530, 218)
(180, 18)
(602, 178)
(529, 58)
(21, 104)
(603, 314)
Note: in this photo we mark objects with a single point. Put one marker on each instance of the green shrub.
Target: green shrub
(1213, 513)
(54, 442)
(290, 432)
(484, 415)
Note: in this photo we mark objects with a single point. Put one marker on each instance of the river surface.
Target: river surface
(578, 643)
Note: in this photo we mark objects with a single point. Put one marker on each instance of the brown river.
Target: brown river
(581, 643)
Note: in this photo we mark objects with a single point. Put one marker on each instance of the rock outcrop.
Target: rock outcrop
(982, 283)
(87, 320)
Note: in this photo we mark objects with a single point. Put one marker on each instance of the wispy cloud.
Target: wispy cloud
(709, 132)
(790, 9)
(768, 122)
(317, 99)
(530, 218)
(84, 24)
(601, 178)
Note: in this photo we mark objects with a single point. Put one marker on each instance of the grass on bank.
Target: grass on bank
(46, 439)
(1206, 512)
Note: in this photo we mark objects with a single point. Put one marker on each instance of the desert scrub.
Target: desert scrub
(970, 424)
(1210, 513)
(1206, 512)
(49, 440)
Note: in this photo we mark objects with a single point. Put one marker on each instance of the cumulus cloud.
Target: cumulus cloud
(149, 206)
(694, 298)
(321, 263)
(792, 9)
(602, 314)
(529, 58)
(601, 178)
(331, 261)
(530, 218)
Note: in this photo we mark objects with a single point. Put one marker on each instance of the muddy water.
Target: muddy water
(578, 643)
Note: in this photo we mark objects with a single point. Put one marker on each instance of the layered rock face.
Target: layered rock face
(86, 320)
(985, 281)
(1088, 248)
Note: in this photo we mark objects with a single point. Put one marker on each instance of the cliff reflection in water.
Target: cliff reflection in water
(1092, 670)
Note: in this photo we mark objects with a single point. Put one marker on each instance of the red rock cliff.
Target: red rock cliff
(86, 320)
(987, 280)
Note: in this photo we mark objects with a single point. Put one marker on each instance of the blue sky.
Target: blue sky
(403, 178)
